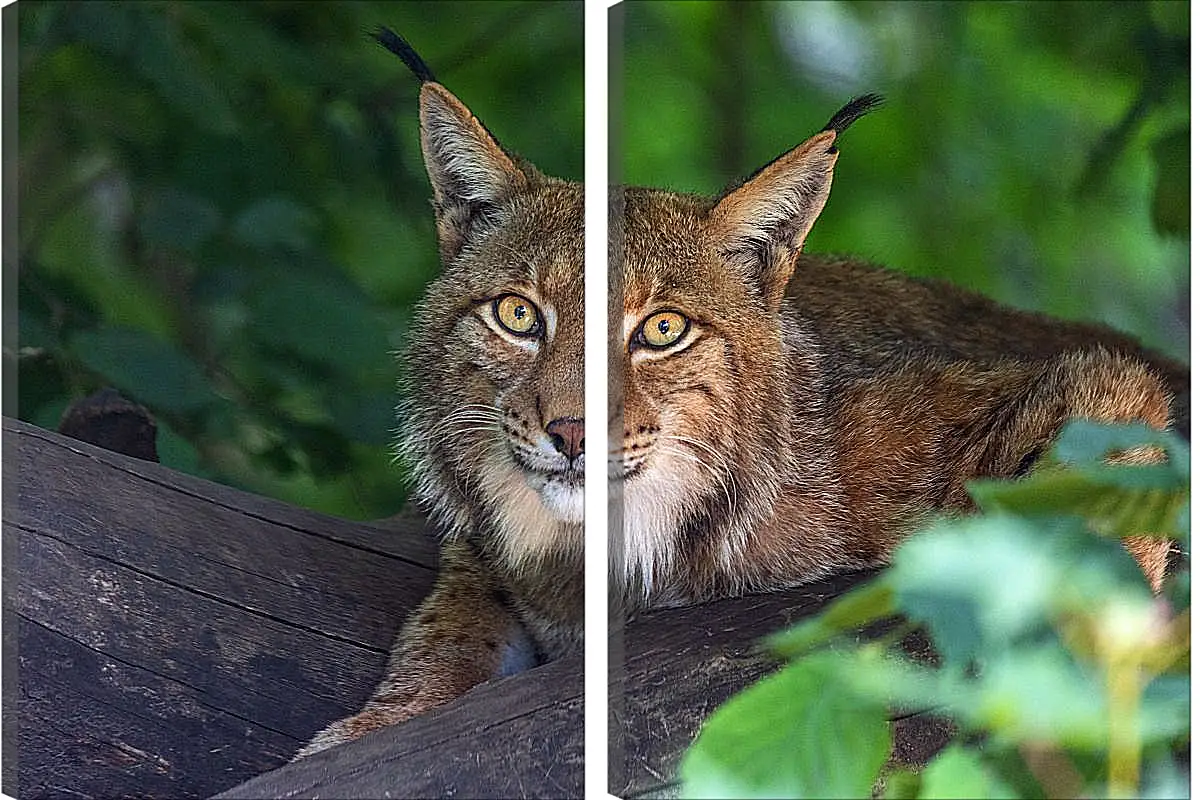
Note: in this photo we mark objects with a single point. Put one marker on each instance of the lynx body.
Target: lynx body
(782, 416)
(810, 416)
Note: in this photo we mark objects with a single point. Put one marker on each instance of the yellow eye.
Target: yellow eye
(664, 328)
(517, 314)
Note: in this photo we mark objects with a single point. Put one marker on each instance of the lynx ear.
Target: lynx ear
(762, 224)
(470, 173)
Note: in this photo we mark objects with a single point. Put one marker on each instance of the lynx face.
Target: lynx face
(701, 348)
(714, 373)
(499, 358)
(494, 407)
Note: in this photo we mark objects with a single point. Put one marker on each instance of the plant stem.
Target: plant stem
(1124, 742)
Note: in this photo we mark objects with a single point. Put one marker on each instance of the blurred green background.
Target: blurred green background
(1036, 152)
(223, 213)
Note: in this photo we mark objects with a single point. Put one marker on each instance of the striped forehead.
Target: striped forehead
(559, 276)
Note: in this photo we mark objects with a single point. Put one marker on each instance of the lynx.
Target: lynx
(784, 416)
(492, 420)
(787, 415)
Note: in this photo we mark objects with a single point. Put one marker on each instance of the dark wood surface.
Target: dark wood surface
(520, 736)
(109, 420)
(523, 736)
(177, 638)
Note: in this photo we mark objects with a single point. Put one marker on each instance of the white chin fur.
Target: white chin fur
(652, 503)
(534, 515)
(564, 502)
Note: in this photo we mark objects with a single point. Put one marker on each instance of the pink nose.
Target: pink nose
(567, 435)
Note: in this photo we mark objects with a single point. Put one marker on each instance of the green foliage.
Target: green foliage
(223, 213)
(1064, 675)
(956, 773)
(1115, 500)
(136, 361)
(830, 753)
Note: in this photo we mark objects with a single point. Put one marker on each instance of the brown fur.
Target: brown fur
(811, 415)
(841, 403)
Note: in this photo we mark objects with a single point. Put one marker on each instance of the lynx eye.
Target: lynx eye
(517, 314)
(663, 329)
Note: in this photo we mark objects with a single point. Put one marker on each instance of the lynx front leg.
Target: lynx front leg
(461, 635)
(911, 438)
(1103, 387)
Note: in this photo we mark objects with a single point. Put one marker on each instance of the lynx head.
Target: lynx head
(716, 378)
(493, 407)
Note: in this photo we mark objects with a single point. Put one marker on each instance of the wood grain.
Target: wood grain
(175, 637)
(520, 736)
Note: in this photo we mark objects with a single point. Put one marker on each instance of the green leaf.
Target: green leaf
(1173, 185)
(276, 222)
(179, 219)
(957, 773)
(107, 27)
(392, 257)
(1037, 694)
(287, 306)
(1012, 769)
(1165, 708)
(98, 90)
(1116, 501)
(981, 583)
(326, 450)
(163, 58)
(1086, 442)
(364, 415)
(902, 784)
(1034, 692)
(1164, 779)
(863, 604)
(177, 452)
(1178, 588)
(789, 735)
(84, 259)
(146, 368)
(34, 330)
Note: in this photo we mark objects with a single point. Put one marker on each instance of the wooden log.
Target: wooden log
(523, 736)
(520, 736)
(678, 665)
(109, 420)
(176, 638)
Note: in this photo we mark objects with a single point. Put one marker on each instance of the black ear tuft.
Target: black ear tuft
(393, 42)
(852, 111)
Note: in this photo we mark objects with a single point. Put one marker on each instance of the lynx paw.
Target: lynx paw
(1107, 387)
(351, 728)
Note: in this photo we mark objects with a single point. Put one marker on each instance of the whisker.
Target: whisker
(459, 432)
(468, 413)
